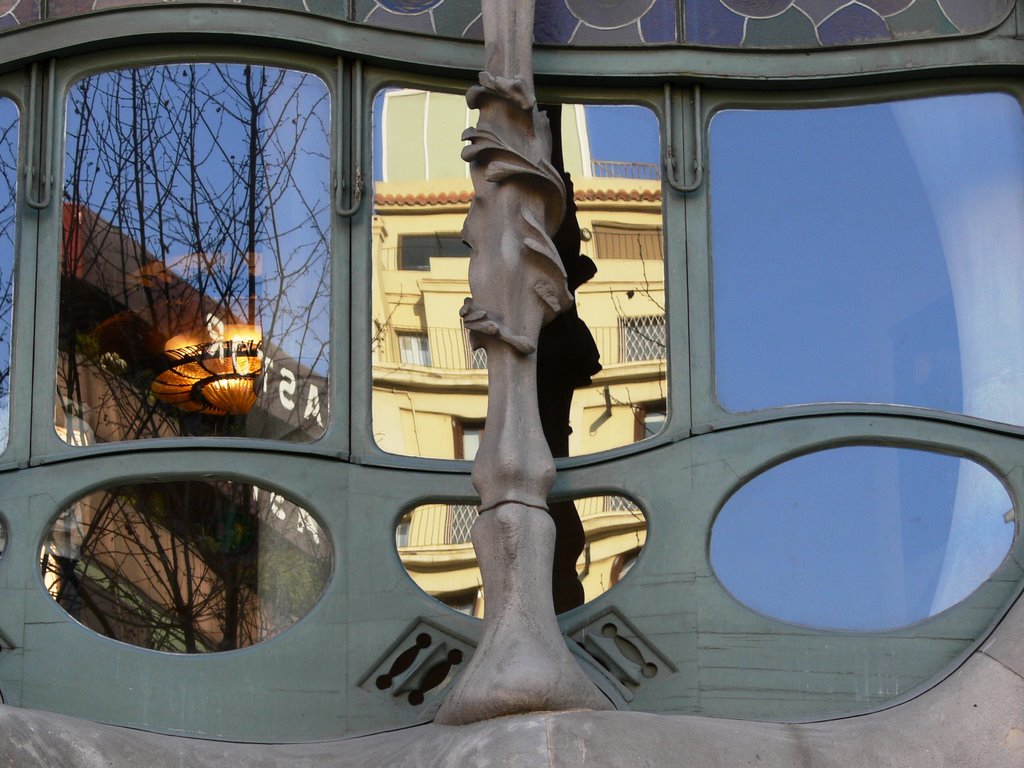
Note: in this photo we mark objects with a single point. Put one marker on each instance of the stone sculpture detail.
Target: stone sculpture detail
(518, 284)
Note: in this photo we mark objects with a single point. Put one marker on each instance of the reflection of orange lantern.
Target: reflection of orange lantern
(214, 377)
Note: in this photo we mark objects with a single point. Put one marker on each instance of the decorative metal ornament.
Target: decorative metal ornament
(518, 282)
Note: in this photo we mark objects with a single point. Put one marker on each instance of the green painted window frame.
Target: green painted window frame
(680, 478)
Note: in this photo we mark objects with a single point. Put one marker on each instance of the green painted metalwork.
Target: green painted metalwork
(315, 680)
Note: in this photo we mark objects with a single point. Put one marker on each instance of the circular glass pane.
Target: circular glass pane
(862, 538)
(434, 546)
(186, 566)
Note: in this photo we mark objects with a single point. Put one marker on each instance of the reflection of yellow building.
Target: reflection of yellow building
(433, 542)
(430, 388)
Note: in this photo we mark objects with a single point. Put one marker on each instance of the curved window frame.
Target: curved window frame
(708, 413)
(46, 443)
(676, 423)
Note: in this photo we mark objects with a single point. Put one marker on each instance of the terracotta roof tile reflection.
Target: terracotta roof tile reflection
(383, 200)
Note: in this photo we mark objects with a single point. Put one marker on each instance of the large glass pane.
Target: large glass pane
(9, 123)
(429, 386)
(434, 546)
(871, 253)
(862, 538)
(195, 270)
(186, 566)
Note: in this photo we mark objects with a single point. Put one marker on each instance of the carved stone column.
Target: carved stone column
(518, 284)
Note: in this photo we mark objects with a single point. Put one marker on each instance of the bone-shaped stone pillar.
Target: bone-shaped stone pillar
(518, 284)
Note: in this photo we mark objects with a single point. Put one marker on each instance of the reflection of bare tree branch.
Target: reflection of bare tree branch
(188, 566)
(189, 207)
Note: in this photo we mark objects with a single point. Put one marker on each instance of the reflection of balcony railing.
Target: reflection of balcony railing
(620, 169)
(636, 340)
(438, 525)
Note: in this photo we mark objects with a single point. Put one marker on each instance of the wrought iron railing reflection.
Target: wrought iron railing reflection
(634, 340)
(620, 169)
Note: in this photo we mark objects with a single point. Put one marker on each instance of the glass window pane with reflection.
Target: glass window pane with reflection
(434, 546)
(871, 254)
(195, 270)
(9, 124)
(186, 566)
(427, 381)
(863, 537)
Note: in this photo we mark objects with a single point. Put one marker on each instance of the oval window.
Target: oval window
(186, 566)
(862, 538)
(434, 546)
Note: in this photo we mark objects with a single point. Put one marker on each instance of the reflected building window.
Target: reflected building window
(467, 436)
(616, 241)
(416, 251)
(195, 269)
(414, 348)
(642, 338)
(650, 419)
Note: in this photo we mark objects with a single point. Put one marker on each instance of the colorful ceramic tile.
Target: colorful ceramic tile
(553, 22)
(758, 9)
(923, 19)
(475, 29)
(708, 22)
(819, 10)
(792, 29)
(409, 6)
(975, 15)
(853, 24)
(26, 11)
(409, 22)
(453, 18)
(57, 8)
(628, 34)
(609, 14)
(658, 25)
(887, 7)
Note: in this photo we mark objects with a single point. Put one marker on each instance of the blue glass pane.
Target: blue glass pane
(862, 538)
(868, 254)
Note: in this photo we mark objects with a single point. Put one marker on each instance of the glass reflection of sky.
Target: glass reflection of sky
(871, 254)
(861, 538)
(607, 124)
(162, 153)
